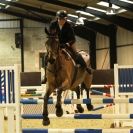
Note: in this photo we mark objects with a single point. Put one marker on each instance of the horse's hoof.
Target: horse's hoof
(90, 107)
(80, 109)
(46, 122)
(67, 112)
(76, 111)
(59, 112)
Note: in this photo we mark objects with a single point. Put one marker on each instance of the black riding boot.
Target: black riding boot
(80, 60)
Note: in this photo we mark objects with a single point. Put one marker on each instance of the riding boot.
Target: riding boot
(80, 60)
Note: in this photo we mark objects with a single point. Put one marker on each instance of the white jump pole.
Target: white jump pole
(11, 121)
(17, 99)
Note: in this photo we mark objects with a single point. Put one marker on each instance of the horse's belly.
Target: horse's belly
(79, 79)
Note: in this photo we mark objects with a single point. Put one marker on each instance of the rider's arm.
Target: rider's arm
(70, 35)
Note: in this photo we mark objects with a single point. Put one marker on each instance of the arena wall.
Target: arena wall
(34, 40)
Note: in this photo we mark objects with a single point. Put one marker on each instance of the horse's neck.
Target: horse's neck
(61, 59)
(56, 66)
(66, 61)
(63, 62)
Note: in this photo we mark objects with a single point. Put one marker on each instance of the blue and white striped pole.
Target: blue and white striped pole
(103, 106)
(81, 116)
(2, 86)
(1, 96)
(79, 101)
(101, 93)
(77, 131)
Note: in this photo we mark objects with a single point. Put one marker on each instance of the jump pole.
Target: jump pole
(81, 116)
(77, 131)
(78, 101)
(101, 93)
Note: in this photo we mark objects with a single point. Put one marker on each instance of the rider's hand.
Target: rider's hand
(64, 45)
(67, 44)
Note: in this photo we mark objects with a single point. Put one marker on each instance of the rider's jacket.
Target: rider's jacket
(65, 33)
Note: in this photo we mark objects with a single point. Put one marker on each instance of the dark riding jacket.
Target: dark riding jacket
(66, 34)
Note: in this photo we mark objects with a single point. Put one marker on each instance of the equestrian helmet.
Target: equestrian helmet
(61, 14)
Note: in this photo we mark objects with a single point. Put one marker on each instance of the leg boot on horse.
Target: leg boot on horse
(45, 67)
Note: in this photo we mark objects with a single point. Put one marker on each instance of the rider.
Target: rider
(64, 30)
(66, 36)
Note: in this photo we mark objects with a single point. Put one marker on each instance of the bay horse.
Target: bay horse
(62, 74)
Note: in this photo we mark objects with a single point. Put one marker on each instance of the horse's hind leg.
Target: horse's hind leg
(79, 107)
(86, 85)
(46, 120)
(59, 110)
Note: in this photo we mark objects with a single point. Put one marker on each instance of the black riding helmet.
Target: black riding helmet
(61, 14)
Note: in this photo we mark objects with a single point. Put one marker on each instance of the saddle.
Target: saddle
(77, 59)
(78, 62)
(68, 56)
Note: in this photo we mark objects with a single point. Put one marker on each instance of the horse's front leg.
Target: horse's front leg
(63, 86)
(59, 110)
(46, 120)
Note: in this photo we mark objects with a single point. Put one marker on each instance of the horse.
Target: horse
(63, 74)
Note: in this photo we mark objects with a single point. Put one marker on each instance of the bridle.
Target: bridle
(52, 47)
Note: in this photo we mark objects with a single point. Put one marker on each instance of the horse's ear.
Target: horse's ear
(46, 31)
